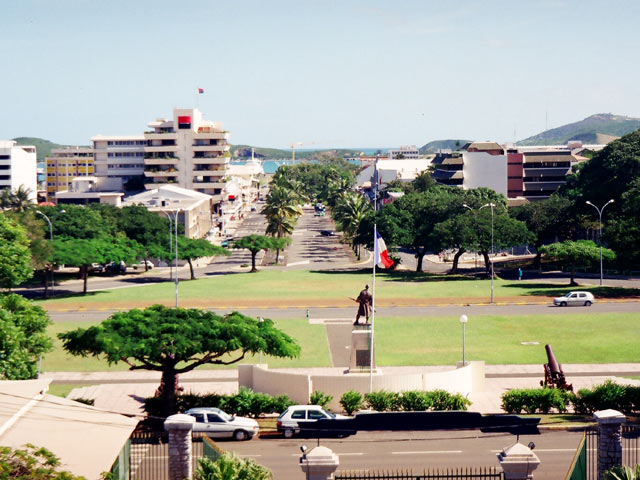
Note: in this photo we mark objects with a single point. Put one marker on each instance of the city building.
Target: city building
(85, 190)
(64, 165)
(195, 209)
(521, 173)
(189, 152)
(408, 152)
(18, 167)
(384, 171)
(119, 160)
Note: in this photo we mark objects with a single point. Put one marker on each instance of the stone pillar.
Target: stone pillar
(179, 427)
(319, 464)
(518, 462)
(360, 360)
(609, 439)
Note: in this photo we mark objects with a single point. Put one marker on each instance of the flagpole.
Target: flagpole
(373, 306)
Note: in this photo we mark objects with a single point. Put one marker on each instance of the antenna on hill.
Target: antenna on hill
(546, 119)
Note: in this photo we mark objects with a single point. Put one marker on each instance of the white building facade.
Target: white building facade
(18, 167)
(118, 159)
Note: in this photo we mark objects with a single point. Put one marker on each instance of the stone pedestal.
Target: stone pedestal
(179, 427)
(609, 439)
(319, 464)
(360, 360)
(518, 462)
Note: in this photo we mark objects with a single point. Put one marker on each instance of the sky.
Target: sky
(343, 74)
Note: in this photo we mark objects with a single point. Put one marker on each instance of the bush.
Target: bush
(281, 403)
(230, 466)
(624, 398)
(415, 401)
(382, 401)
(351, 401)
(320, 398)
(442, 400)
(535, 400)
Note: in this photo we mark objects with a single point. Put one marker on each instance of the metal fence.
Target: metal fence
(630, 445)
(470, 473)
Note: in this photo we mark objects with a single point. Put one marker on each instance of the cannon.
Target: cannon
(553, 374)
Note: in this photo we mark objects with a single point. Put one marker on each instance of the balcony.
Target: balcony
(211, 135)
(208, 184)
(160, 173)
(161, 148)
(161, 135)
(541, 186)
(211, 148)
(210, 161)
(209, 171)
(160, 160)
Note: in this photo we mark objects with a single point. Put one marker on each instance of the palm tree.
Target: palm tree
(5, 199)
(20, 200)
(350, 209)
(282, 210)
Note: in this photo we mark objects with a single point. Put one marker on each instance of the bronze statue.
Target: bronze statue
(365, 301)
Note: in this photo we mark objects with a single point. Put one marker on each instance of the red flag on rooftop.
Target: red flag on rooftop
(201, 90)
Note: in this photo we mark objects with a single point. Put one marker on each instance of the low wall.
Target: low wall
(299, 386)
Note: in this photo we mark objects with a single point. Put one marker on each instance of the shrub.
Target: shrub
(608, 395)
(535, 400)
(281, 403)
(620, 472)
(229, 466)
(415, 401)
(351, 401)
(382, 401)
(320, 398)
(86, 401)
(443, 400)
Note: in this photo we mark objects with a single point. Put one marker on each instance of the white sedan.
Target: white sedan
(574, 298)
(218, 424)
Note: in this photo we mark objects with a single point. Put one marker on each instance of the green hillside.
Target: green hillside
(594, 129)
(434, 146)
(43, 147)
(244, 151)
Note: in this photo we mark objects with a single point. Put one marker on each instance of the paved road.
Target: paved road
(412, 450)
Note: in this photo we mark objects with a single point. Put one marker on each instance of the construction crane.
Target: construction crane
(293, 149)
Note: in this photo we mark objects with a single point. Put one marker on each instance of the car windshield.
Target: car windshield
(226, 417)
(329, 413)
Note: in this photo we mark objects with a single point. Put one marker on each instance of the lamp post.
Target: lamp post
(463, 321)
(600, 210)
(50, 238)
(490, 205)
(175, 222)
(170, 242)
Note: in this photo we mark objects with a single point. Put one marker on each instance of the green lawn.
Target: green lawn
(311, 338)
(574, 337)
(296, 286)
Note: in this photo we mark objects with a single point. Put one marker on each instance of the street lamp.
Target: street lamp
(463, 321)
(491, 205)
(600, 210)
(50, 238)
(260, 320)
(175, 222)
(475, 256)
(170, 242)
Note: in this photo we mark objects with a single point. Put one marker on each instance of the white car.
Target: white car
(218, 424)
(142, 265)
(574, 298)
(288, 421)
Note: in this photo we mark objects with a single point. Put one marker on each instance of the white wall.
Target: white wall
(22, 170)
(483, 170)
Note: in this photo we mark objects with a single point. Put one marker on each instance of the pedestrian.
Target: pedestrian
(365, 301)
(519, 273)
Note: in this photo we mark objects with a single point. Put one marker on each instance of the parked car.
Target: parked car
(327, 233)
(288, 421)
(116, 267)
(319, 213)
(141, 265)
(218, 424)
(96, 268)
(574, 298)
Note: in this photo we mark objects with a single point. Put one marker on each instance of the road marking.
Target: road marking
(544, 450)
(303, 262)
(422, 452)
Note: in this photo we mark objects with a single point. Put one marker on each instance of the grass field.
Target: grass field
(304, 287)
(575, 338)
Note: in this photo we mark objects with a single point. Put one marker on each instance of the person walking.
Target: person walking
(519, 273)
(365, 301)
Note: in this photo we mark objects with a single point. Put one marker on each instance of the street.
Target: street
(414, 450)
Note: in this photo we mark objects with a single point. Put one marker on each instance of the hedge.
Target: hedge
(624, 398)
(409, 401)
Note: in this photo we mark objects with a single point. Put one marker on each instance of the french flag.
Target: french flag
(381, 254)
(201, 90)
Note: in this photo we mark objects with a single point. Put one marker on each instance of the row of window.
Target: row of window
(54, 174)
(126, 142)
(125, 154)
(75, 164)
(125, 165)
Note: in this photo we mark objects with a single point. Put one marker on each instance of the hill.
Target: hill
(244, 151)
(43, 147)
(434, 146)
(594, 129)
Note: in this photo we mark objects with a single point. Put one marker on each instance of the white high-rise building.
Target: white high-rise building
(188, 152)
(18, 167)
(118, 159)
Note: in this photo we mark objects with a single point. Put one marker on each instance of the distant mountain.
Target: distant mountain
(434, 146)
(244, 151)
(598, 128)
(43, 147)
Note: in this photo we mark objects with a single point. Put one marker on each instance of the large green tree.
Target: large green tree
(15, 257)
(282, 209)
(23, 337)
(147, 228)
(177, 340)
(623, 231)
(255, 243)
(349, 211)
(572, 254)
(191, 249)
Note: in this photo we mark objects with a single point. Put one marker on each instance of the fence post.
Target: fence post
(179, 427)
(609, 439)
(319, 463)
(518, 462)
